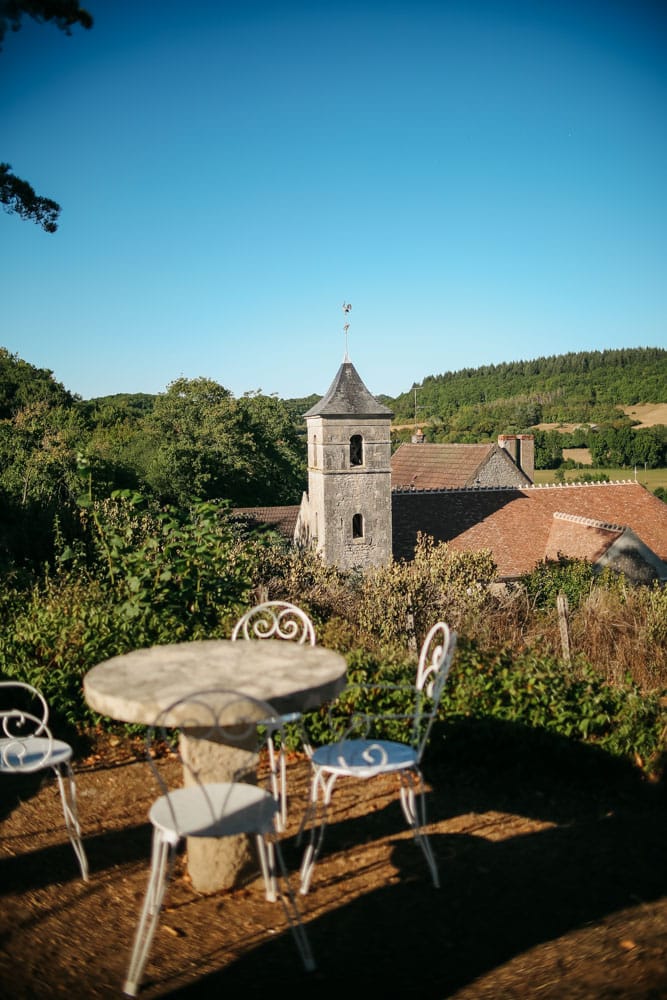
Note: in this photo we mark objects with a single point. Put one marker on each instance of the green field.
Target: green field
(650, 478)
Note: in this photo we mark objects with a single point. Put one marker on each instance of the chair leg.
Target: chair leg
(314, 846)
(413, 803)
(150, 913)
(266, 854)
(68, 799)
(278, 771)
(283, 790)
(293, 915)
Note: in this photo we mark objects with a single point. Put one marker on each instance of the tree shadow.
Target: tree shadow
(33, 870)
(600, 849)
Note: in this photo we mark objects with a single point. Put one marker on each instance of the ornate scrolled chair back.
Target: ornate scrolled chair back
(435, 660)
(275, 620)
(216, 715)
(390, 740)
(19, 748)
(27, 745)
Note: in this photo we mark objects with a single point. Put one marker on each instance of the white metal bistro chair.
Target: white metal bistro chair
(211, 809)
(277, 620)
(361, 754)
(27, 746)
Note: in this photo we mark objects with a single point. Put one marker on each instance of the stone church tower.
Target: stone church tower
(346, 514)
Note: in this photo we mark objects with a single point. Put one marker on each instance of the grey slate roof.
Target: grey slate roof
(347, 395)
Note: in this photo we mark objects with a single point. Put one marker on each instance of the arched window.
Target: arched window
(356, 450)
(358, 526)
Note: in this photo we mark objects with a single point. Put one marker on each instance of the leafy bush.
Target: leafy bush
(299, 575)
(529, 689)
(55, 633)
(572, 577)
(543, 692)
(156, 578)
(175, 576)
(400, 602)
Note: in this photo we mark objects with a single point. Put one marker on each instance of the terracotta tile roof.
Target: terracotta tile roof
(437, 466)
(515, 524)
(283, 519)
(580, 537)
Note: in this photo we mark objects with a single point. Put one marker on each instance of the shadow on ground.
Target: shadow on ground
(552, 867)
(504, 889)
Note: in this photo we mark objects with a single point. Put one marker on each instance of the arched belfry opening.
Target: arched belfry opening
(356, 450)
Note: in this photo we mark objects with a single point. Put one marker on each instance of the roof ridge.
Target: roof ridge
(589, 521)
(505, 489)
(577, 484)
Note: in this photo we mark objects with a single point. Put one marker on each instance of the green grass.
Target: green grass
(650, 478)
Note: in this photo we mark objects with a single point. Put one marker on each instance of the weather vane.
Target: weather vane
(346, 309)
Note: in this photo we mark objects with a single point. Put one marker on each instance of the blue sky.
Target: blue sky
(483, 181)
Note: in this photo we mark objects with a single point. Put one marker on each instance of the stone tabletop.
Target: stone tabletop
(138, 686)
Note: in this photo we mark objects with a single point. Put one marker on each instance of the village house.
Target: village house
(364, 506)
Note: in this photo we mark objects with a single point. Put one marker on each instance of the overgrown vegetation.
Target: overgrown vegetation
(103, 549)
(140, 575)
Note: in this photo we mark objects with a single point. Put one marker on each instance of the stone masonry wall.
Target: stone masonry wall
(338, 491)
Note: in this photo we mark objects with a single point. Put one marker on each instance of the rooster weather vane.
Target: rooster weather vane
(346, 309)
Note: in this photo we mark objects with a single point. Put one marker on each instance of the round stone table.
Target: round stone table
(140, 685)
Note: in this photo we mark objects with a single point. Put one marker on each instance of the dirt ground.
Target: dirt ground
(552, 860)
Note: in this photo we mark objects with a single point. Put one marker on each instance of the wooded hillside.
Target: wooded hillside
(578, 387)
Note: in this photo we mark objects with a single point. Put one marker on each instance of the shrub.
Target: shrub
(572, 577)
(58, 630)
(542, 692)
(401, 601)
(156, 578)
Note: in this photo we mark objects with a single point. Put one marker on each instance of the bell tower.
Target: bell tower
(347, 512)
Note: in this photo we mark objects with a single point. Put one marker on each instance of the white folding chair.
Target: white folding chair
(27, 746)
(361, 754)
(277, 620)
(210, 809)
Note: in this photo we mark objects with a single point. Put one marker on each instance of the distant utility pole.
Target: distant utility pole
(415, 387)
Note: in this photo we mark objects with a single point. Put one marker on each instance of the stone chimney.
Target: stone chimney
(509, 443)
(418, 437)
(526, 455)
(521, 449)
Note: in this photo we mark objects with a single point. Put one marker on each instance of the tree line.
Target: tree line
(584, 387)
(194, 440)
(197, 440)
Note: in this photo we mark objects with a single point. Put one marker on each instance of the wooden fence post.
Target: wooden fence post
(410, 623)
(563, 623)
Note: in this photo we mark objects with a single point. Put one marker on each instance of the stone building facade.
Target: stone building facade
(364, 507)
(346, 513)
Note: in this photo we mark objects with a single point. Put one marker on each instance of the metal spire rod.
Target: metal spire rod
(346, 309)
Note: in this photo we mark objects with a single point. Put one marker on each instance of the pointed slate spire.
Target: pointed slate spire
(347, 395)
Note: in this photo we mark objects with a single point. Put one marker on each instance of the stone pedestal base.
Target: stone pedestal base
(217, 862)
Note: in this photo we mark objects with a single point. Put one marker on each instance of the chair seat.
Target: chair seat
(220, 809)
(364, 758)
(32, 753)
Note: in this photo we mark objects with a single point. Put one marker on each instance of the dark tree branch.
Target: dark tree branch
(64, 14)
(16, 195)
(19, 198)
